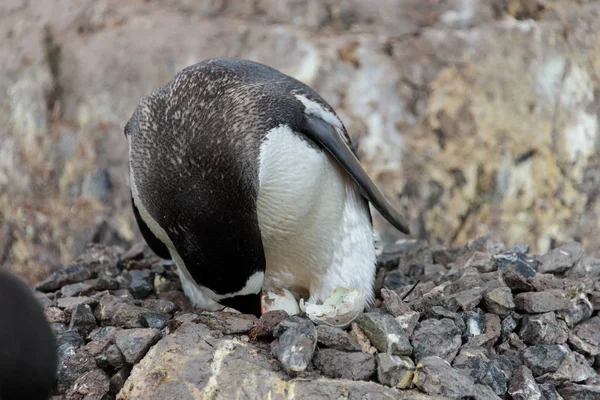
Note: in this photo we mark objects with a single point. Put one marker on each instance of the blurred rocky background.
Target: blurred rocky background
(473, 116)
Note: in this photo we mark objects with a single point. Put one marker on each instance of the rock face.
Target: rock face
(427, 346)
(467, 113)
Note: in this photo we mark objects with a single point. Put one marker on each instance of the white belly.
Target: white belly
(314, 223)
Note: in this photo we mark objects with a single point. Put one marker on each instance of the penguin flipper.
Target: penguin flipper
(326, 135)
(158, 247)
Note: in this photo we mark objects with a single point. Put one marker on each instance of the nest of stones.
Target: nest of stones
(479, 322)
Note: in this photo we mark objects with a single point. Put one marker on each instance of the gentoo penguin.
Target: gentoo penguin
(247, 179)
(28, 354)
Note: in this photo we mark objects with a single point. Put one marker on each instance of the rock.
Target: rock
(466, 300)
(516, 268)
(159, 305)
(128, 316)
(395, 371)
(579, 392)
(508, 325)
(440, 338)
(267, 323)
(404, 253)
(474, 323)
(408, 322)
(435, 376)
(55, 314)
(82, 319)
(522, 386)
(107, 307)
(197, 362)
(490, 334)
(118, 380)
(141, 284)
(482, 262)
(154, 319)
(92, 385)
(393, 303)
(295, 344)
(77, 289)
(72, 274)
(586, 336)
(361, 337)
(543, 329)
(385, 333)
(134, 343)
(576, 313)
(336, 338)
(227, 322)
(345, 365)
(72, 365)
(499, 301)
(573, 368)
(544, 358)
(475, 361)
(105, 332)
(561, 258)
(71, 302)
(549, 392)
(541, 302)
(106, 354)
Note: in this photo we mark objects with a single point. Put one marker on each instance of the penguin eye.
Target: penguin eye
(127, 129)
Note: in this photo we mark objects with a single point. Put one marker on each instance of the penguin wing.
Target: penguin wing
(328, 137)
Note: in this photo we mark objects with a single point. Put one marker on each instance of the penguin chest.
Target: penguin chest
(315, 226)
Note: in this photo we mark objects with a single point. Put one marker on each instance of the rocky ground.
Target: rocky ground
(477, 322)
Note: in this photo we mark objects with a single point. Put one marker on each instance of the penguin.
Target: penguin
(28, 352)
(247, 179)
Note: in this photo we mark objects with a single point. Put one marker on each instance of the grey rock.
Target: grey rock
(594, 298)
(520, 263)
(118, 380)
(393, 303)
(484, 392)
(77, 289)
(104, 332)
(128, 316)
(266, 323)
(543, 329)
(141, 284)
(70, 302)
(499, 301)
(544, 358)
(154, 319)
(481, 261)
(113, 356)
(295, 344)
(55, 314)
(72, 274)
(549, 392)
(107, 307)
(475, 361)
(561, 258)
(473, 322)
(404, 253)
(227, 322)
(435, 376)
(135, 343)
(395, 371)
(541, 302)
(336, 338)
(71, 366)
(159, 305)
(345, 365)
(92, 385)
(586, 336)
(408, 322)
(440, 338)
(385, 333)
(572, 368)
(466, 300)
(508, 325)
(576, 313)
(579, 392)
(491, 332)
(82, 319)
(522, 386)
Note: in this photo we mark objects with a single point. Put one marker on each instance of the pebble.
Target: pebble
(266, 324)
(70, 302)
(522, 385)
(393, 303)
(159, 305)
(543, 329)
(295, 344)
(561, 258)
(141, 284)
(82, 319)
(499, 301)
(395, 371)
(118, 380)
(128, 316)
(385, 333)
(408, 322)
(345, 365)
(336, 338)
(154, 320)
(579, 392)
(436, 377)
(475, 361)
(92, 385)
(543, 358)
(135, 343)
(541, 302)
(227, 322)
(72, 274)
(440, 338)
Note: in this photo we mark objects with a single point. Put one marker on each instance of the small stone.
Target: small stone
(543, 329)
(499, 301)
(483, 262)
(508, 325)
(141, 284)
(92, 385)
(135, 343)
(468, 299)
(266, 323)
(541, 302)
(393, 303)
(594, 298)
(77, 289)
(520, 263)
(154, 319)
(72, 274)
(385, 333)
(227, 322)
(435, 376)
(522, 386)
(55, 314)
(491, 332)
(361, 337)
(561, 259)
(159, 305)
(336, 338)
(345, 365)
(549, 392)
(574, 391)
(395, 371)
(404, 253)
(408, 322)
(544, 358)
(118, 380)
(474, 322)
(475, 361)
(295, 344)
(440, 338)
(113, 356)
(43, 298)
(107, 307)
(573, 368)
(128, 316)
(72, 365)
(82, 319)
(70, 302)
(576, 313)
(105, 332)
